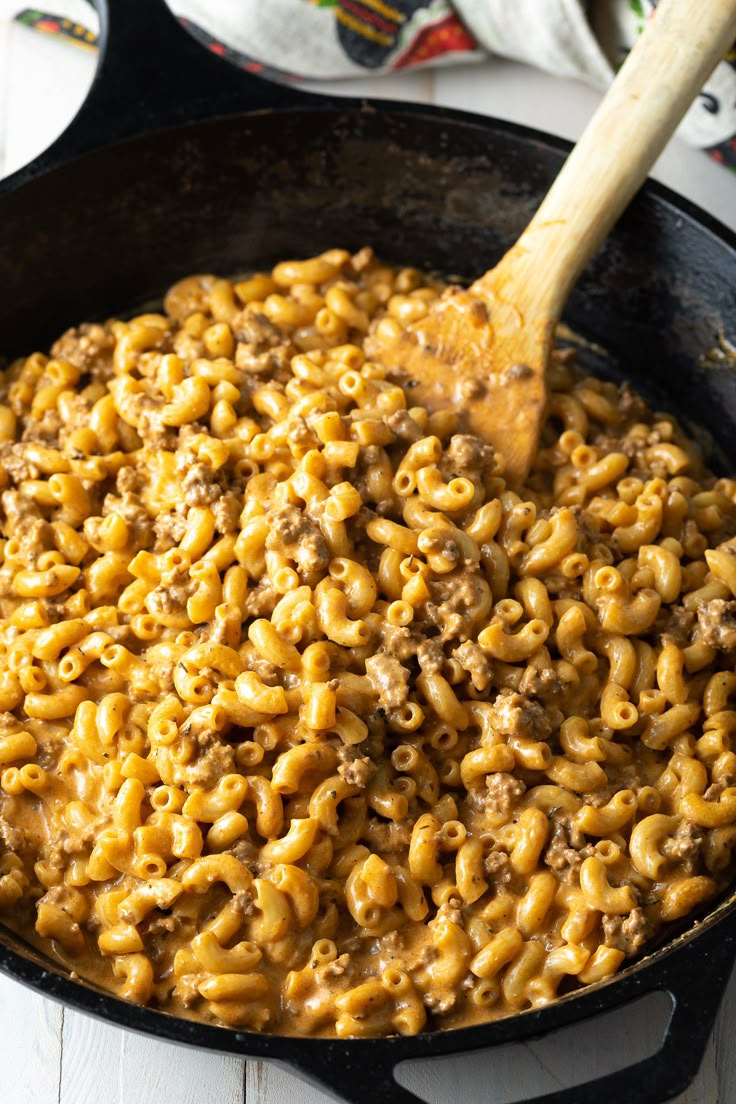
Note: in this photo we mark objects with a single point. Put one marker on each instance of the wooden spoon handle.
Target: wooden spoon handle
(656, 84)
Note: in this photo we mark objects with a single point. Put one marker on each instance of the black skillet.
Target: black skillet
(179, 163)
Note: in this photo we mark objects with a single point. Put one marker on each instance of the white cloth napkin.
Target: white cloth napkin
(324, 39)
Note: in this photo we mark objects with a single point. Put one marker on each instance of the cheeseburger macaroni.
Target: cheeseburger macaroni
(309, 723)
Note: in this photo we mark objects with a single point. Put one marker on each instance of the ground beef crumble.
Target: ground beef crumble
(626, 933)
(389, 678)
(498, 867)
(459, 599)
(355, 767)
(399, 641)
(539, 682)
(474, 660)
(187, 989)
(403, 426)
(684, 846)
(430, 657)
(515, 714)
(715, 790)
(388, 835)
(169, 529)
(134, 513)
(566, 850)
(296, 536)
(163, 923)
(13, 839)
(717, 621)
(501, 794)
(678, 625)
(89, 347)
(201, 486)
(261, 600)
(214, 760)
(469, 455)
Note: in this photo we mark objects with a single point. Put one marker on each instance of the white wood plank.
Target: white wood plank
(519, 94)
(266, 1083)
(532, 98)
(4, 63)
(45, 84)
(705, 1086)
(725, 1051)
(30, 1046)
(417, 87)
(102, 1064)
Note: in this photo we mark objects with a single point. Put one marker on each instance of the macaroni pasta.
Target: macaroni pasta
(310, 723)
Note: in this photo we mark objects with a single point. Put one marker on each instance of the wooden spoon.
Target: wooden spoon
(484, 351)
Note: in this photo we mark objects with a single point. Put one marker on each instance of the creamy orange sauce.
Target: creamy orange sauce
(308, 722)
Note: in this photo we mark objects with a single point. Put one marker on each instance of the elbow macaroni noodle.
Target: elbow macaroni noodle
(310, 723)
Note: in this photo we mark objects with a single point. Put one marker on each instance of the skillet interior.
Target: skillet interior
(111, 230)
(437, 189)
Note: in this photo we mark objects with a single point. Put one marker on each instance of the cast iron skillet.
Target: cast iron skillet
(178, 163)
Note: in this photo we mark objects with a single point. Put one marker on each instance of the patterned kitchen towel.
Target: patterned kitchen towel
(325, 39)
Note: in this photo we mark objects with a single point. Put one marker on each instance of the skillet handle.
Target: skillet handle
(356, 1082)
(695, 978)
(152, 74)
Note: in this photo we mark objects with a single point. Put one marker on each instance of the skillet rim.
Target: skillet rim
(56, 158)
(571, 1008)
(581, 1004)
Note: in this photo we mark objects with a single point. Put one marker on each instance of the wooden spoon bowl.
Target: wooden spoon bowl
(484, 351)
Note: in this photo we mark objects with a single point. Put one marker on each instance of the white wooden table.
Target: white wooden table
(49, 1055)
